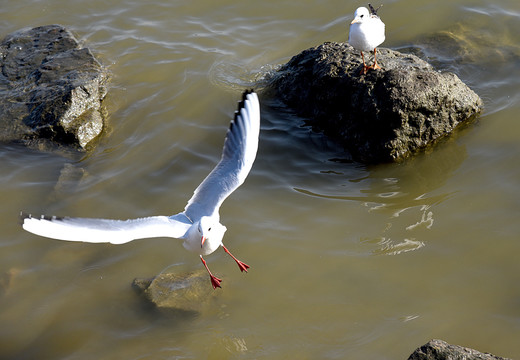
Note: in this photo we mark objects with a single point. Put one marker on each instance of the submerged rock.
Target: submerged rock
(70, 177)
(6, 280)
(50, 88)
(441, 350)
(382, 116)
(185, 292)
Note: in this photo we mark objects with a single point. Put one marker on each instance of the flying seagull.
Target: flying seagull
(199, 224)
(367, 31)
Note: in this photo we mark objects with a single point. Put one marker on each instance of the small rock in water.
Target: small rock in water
(186, 292)
(51, 89)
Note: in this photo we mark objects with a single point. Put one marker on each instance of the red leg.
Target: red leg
(365, 67)
(375, 66)
(241, 265)
(215, 281)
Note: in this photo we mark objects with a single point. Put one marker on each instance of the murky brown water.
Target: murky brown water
(348, 261)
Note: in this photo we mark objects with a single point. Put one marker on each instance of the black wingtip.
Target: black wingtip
(244, 98)
(247, 92)
(241, 105)
(24, 215)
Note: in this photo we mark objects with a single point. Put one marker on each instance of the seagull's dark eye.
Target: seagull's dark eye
(209, 229)
(361, 16)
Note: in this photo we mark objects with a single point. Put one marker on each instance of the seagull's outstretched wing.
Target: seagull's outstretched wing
(105, 230)
(238, 155)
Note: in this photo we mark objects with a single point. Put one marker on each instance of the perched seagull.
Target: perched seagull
(367, 31)
(199, 224)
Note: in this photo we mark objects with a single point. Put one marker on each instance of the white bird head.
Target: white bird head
(209, 234)
(360, 15)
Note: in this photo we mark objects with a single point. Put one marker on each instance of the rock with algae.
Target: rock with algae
(183, 292)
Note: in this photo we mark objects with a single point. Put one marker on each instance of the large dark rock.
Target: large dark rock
(50, 88)
(441, 350)
(382, 116)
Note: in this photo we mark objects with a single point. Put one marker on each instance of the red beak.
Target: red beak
(202, 241)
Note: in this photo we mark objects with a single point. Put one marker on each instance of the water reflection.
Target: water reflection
(402, 196)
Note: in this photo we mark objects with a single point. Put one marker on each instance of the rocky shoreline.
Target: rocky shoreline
(52, 92)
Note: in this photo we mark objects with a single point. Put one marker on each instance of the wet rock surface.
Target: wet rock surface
(441, 350)
(183, 292)
(50, 89)
(382, 116)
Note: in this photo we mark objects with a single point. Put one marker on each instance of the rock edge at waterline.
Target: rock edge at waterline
(441, 350)
(51, 89)
(382, 116)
